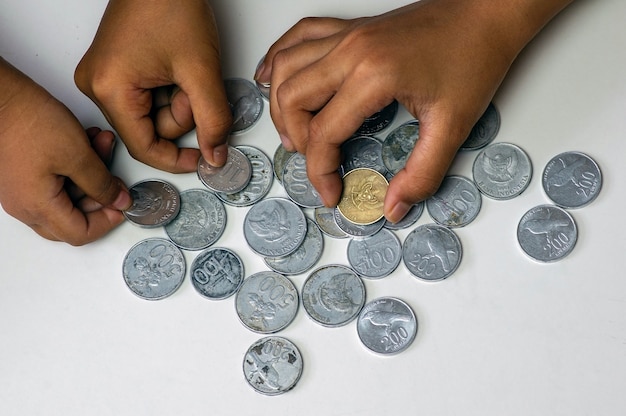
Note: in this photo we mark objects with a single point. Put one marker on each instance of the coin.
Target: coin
(398, 145)
(266, 302)
(363, 152)
(155, 203)
(325, 220)
(572, 179)
(246, 104)
(379, 120)
(456, 203)
(363, 196)
(333, 295)
(432, 252)
(387, 325)
(409, 219)
(502, 171)
(547, 233)
(230, 178)
(154, 268)
(200, 222)
(261, 179)
(297, 184)
(272, 365)
(280, 159)
(376, 256)
(217, 273)
(484, 131)
(274, 227)
(304, 258)
(356, 230)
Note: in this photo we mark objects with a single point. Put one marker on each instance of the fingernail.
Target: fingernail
(259, 71)
(398, 212)
(220, 154)
(123, 201)
(287, 144)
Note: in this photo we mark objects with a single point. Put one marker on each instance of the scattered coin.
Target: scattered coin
(217, 273)
(547, 233)
(363, 196)
(363, 152)
(502, 171)
(261, 179)
(485, 129)
(325, 220)
(297, 184)
(272, 365)
(281, 157)
(356, 230)
(154, 268)
(456, 203)
(230, 178)
(432, 252)
(398, 145)
(379, 120)
(572, 179)
(155, 203)
(387, 325)
(246, 103)
(376, 256)
(304, 258)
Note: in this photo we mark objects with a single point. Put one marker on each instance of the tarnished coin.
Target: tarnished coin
(230, 178)
(363, 196)
(154, 268)
(266, 302)
(456, 203)
(572, 179)
(264, 88)
(304, 258)
(200, 222)
(274, 227)
(272, 365)
(398, 145)
(485, 129)
(502, 171)
(217, 273)
(280, 159)
(260, 182)
(387, 325)
(246, 103)
(333, 295)
(547, 233)
(409, 219)
(325, 220)
(356, 230)
(432, 252)
(155, 203)
(379, 120)
(376, 256)
(297, 184)
(363, 152)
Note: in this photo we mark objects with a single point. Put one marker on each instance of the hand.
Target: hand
(154, 71)
(442, 59)
(53, 175)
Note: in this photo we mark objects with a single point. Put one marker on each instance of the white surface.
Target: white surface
(503, 336)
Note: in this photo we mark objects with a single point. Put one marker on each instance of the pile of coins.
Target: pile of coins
(288, 232)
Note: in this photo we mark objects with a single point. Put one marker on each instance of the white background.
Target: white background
(504, 335)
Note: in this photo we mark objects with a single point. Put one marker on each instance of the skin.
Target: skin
(53, 173)
(442, 59)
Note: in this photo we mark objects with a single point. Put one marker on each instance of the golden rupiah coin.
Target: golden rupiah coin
(363, 196)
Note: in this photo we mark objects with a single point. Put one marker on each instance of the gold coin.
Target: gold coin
(363, 196)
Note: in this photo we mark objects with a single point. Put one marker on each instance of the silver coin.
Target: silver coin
(398, 145)
(379, 120)
(304, 258)
(264, 88)
(363, 152)
(387, 325)
(155, 203)
(200, 222)
(266, 302)
(484, 131)
(230, 178)
(274, 227)
(154, 268)
(325, 220)
(376, 256)
(356, 230)
(456, 203)
(260, 182)
(432, 252)
(408, 220)
(502, 171)
(280, 159)
(272, 365)
(217, 273)
(572, 179)
(246, 104)
(333, 295)
(297, 184)
(547, 233)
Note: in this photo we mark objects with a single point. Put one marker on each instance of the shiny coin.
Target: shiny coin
(432, 252)
(246, 103)
(485, 129)
(280, 159)
(363, 152)
(304, 258)
(398, 145)
(376, 256)
(297, 184)
(155, 203)
(260, 182)
(274, 227)
(266, 302)
(272, 365)
(201, 221)
(217, 273)
(502, 171)
(387, 325)
(325, 220)
(154, 268)
(356, 230)
(363, 196)
(230, 178)
(409, 219)
(333, 295)
(456, 203)
(572, 180)
(264, 88)
(547, 233)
